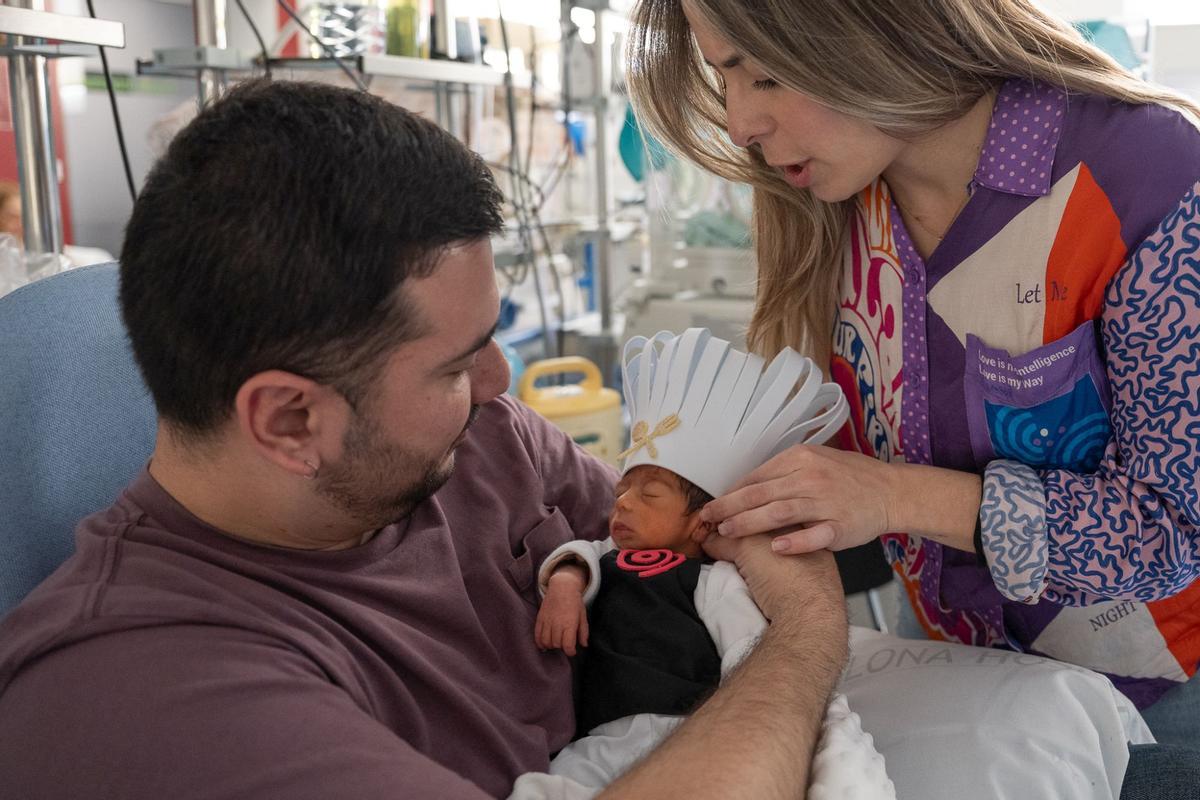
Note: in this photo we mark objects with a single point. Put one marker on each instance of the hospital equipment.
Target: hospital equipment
(586, 411)
(27, 27)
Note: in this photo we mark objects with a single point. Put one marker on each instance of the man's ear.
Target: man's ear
(290, 420)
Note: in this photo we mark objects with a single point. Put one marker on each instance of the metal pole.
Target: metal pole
(28, 81)
(447, 29)
(875, 604)
(601, 73)
(209, 19)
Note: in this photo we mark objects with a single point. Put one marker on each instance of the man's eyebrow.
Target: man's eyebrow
(728, 63)
(476, 346)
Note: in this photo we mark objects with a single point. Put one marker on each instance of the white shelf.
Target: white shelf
(416, 69)
(424, 69)
(48, 50)
(64, 28)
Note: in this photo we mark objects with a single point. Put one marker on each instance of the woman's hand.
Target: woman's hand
(839, 499)
(842, 499)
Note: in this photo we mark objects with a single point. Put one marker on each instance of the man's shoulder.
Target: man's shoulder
(507, 413)
(129, 572)
(507, 429)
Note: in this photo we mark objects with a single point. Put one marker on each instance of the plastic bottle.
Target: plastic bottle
(408, 28)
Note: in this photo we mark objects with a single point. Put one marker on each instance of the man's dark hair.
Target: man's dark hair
(276, 233)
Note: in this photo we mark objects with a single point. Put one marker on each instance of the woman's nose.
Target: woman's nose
(746, 121)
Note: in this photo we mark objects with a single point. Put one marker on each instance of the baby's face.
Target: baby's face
(650, 512)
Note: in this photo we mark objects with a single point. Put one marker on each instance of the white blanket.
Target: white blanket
(846, 765)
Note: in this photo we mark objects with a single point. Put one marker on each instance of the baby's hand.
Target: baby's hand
(562, 619)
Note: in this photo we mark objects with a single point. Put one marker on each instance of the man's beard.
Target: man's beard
(378, 483)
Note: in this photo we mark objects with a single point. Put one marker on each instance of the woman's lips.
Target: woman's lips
(798, 175)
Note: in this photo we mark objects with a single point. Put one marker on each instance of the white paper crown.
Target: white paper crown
(711, 414)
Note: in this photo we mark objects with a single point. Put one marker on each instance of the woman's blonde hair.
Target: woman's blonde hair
(905, 66)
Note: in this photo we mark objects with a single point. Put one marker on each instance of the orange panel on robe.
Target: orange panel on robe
(1086, 254)
(1176, 619)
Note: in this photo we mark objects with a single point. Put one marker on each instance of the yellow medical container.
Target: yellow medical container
(587, 411)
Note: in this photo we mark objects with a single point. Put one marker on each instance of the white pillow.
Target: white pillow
(956, 721)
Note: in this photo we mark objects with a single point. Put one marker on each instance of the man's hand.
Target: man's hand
(780, 585)
(562, 619)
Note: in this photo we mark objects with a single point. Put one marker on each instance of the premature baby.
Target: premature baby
(655, 509)
(661, 625)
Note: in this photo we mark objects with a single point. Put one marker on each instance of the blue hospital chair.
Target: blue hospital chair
(76, 421)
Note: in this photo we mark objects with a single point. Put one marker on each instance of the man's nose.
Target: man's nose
(490, 375)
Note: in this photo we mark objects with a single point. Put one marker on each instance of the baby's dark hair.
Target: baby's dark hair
(696, 497)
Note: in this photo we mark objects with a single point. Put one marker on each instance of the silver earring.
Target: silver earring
(314, 469)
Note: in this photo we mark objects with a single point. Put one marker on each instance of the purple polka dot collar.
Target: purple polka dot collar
(1018, 153)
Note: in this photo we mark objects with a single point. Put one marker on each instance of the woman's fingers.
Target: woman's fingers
(780, 465)
(855, 495)
(818, 537)
(769, 516)
(790, 488)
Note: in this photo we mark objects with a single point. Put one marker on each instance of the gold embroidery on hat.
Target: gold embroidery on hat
(643, 438)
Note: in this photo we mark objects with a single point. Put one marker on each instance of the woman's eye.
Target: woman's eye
(765, 83)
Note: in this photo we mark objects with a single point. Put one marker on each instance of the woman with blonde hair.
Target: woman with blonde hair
(988, 232)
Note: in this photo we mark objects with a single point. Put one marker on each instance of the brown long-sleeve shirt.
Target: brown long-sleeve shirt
(166, 659)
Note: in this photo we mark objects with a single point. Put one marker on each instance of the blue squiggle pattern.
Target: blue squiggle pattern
(1131, 530)
(1012, 519)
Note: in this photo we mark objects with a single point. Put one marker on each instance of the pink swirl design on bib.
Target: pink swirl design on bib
(648, 563)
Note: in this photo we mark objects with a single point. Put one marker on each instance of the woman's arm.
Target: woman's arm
(844, 499)
(1131, 529)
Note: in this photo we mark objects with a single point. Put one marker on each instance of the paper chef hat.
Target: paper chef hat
(711, 414)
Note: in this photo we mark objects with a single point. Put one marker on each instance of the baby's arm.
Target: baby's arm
(568, 580)
(562, 619)
(584, 554)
